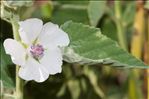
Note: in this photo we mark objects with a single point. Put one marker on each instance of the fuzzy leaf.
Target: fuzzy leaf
(89, 46)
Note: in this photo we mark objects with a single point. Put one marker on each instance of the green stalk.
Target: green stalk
(19, 81)
(15, 28)
(19, 85)
(123, 43)
(136, 50)
(120, 30)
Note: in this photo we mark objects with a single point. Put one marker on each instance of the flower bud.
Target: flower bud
(15, 3)
(5, 14)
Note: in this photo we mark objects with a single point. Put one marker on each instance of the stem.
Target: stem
(136, 50)
(19, 85)
(133, 91)
(15, 27)
(120, 31)
(19, 81)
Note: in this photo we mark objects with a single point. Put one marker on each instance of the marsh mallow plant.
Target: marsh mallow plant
(38, 53)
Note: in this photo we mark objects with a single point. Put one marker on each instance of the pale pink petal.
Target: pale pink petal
(53, 36)
(52, 61)
(16, 50)
(33, 70)
(30, 29)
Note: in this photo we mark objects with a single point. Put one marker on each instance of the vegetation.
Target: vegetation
(108, 54)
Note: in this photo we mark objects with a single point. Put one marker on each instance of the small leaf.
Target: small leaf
(89, 46)
(96, 10)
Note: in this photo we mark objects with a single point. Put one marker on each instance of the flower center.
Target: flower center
(37, 51)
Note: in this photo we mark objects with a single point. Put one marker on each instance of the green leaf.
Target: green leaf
(6, 64)
(75, 11)
(108, 28)
(96, 10)
(89, 46)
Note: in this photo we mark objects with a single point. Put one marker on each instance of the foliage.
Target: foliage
(91, 47)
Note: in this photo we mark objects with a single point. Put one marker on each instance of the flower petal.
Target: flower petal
(16, 50)
(33, 71)
(52, 60)
(53, 36)
(30, 29)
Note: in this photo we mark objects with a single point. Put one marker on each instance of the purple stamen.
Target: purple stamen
(37, 51)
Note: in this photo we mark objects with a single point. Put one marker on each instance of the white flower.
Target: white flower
(38, 53)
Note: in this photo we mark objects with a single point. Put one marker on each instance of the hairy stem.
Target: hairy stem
(15, 27)
(19, 81)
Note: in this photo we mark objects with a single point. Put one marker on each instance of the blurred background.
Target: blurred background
(130, 18)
